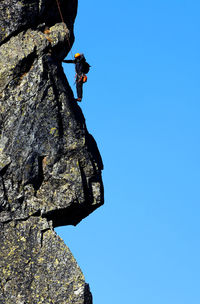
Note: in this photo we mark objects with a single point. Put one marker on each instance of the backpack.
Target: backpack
(85, 67)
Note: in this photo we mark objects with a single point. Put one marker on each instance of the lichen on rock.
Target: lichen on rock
(39, 268)
(49, 161)
(50, 166)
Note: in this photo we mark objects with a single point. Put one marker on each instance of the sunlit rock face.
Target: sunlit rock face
(37, 267)
(16, 16)
(50, 166)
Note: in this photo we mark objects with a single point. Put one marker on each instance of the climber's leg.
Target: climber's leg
(79, 89)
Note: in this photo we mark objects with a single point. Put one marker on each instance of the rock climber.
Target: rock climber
(81, 68)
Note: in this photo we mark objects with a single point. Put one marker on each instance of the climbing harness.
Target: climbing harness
(62, 19)
(82, 78)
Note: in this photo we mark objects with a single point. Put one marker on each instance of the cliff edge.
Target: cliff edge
(50, 166)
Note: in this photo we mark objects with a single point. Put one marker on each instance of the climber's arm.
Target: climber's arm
(69, 61)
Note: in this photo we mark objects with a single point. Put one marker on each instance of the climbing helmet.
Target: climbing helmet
(77, 55)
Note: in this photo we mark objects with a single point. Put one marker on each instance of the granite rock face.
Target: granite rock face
(17, 16)
(37, 267)
(50, 166)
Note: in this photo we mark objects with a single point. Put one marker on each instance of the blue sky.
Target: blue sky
(141, 103)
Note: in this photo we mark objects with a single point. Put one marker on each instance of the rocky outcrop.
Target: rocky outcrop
(17, 16)
(37, 267)
(50, 166)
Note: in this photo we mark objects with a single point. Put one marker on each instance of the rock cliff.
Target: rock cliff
(50, 166)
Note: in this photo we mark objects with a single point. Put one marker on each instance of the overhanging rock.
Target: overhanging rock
(50, 166)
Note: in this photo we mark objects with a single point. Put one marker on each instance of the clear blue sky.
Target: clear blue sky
(141, 103)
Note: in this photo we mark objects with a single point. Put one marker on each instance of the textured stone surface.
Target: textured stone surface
(50, 166)
(49, 162)
(38, 268)
(18, 15)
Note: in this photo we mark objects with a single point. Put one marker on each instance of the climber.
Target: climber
(81, 68)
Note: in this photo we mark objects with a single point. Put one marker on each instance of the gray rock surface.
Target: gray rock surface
(37, 267)
(50, 166)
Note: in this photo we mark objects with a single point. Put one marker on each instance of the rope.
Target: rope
(62, 19)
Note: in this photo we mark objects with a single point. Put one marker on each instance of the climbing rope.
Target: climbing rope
(67, 33)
